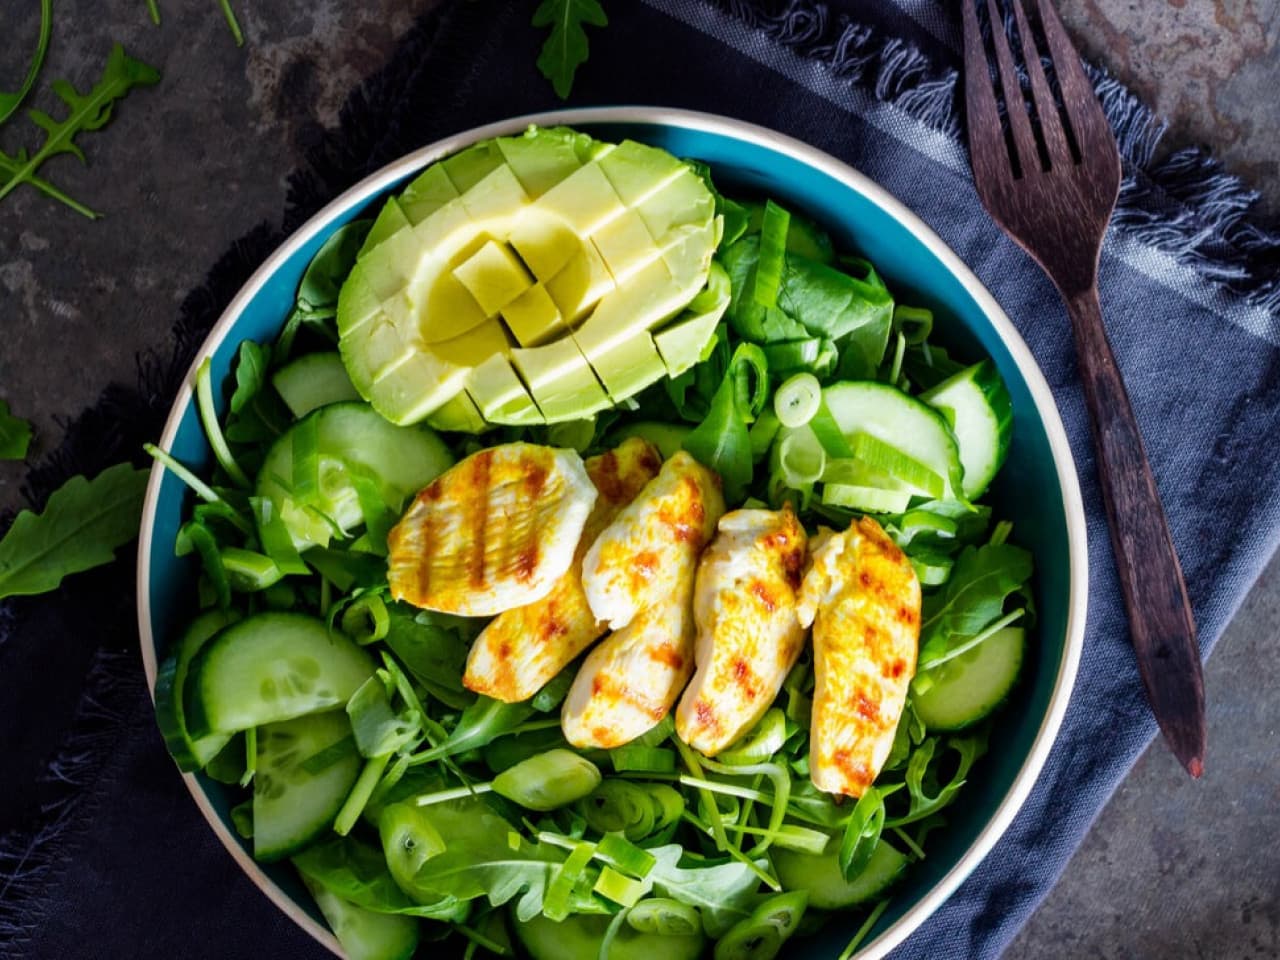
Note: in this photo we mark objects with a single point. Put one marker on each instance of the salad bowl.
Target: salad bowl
(1037, 489)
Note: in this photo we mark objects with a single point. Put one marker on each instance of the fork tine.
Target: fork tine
(1082, 106)
(979, 95)
(1055, 140)
(1015, 106)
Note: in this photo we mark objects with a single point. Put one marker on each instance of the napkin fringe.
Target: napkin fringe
(29, 854)
(1185, 205)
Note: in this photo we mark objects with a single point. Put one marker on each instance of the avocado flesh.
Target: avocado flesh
(530, 279)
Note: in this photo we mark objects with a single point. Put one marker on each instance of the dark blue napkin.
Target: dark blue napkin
(102, 852)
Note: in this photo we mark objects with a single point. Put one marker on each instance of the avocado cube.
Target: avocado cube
(629, 367)
(500, 394)
(356, 301)
(494, 276)
(370, 349)
(625, 246)
(543, 242)
(687, 253)
(447, 310)
(391, 219)
(580, 284)
(428, 193)
(585, 200)
(459, 413)
(644, 302)
(475, 346)
(533, 317)
(389, 266)
(498, 196)
(681, 343)
(445, 229)
(636, 171)
(683, 201)
(472, 165)
(541, 159)
(415, 387)
(560, 380)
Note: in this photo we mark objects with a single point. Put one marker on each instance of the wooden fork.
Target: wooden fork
(1051, 184)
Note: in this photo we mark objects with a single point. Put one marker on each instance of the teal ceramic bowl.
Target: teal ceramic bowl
(862, 216)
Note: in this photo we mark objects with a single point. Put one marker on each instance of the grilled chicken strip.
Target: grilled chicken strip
(495, 531)
(521, 649)
(863, 599)
(744, 605)
(630, 680)
(649, 550)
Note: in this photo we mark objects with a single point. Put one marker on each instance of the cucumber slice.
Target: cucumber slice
(578, 938)
(827, 888)
(969, 687)
(292, 805)
(977, 404)
(366, 935)
(313, 381)
(271, 667)
(915, 429)
(355, 451)
(171, 679)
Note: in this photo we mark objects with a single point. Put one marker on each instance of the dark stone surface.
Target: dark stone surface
(1172, 869)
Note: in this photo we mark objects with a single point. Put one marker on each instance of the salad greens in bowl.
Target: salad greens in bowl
(610, 533)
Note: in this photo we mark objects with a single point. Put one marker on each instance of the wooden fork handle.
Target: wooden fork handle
(1155, 596)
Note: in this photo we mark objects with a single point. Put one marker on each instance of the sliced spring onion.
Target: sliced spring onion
(248, 570)
(668, 804)
(867, 499)
(761, 742)
(617, 851)
(409, 839)
(639, 758)
(366, 619)
(305, 479)
(360, 794)
(790, 836)
(762, 433)
(277, 543)
(783, 910)
(453, 793)
(801, 458)
(691, 763)
(749, 939)
(553, 692)
(213, 429)
(665, 917)
(881, 455)
(829, 434)
(797, 400)
(931, 571)
(324, 759)
(916, 522)
(250, 756)
(619, 806)
(1001, 532)
(861, 833)
(773, 252)
(913, 323)
(193, 535)
(659, 733)
(781, 781)
(899, 351)
(622, 890)
(548, 781)
(560, 890)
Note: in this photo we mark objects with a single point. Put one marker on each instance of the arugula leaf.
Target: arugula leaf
(723, 892)
(921, 776)
(81, 527)
(87, 112)
(251, 373)
(9, 102)
(153, 9)
(480, 724)
(983, 578)
(378, 728)
(15, 435)
(565, 48)
(432, 650)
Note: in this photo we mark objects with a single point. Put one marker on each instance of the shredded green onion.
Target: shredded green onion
(622, 890)
(665, 917)
(761, 742)
(914, 324)
(249, 571)
(556, 904)
(453, 793)
(366, 619)
(797, 400)
(360, 794)
(773, 252)
(212, 429)
(642, 759)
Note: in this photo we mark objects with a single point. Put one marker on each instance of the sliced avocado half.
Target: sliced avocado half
(532, 279)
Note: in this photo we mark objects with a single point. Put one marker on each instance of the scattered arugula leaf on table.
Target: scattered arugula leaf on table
(15, 435)
(82, 525)
(565, 48)
(9, 102)
(88, 112)
(153, 9)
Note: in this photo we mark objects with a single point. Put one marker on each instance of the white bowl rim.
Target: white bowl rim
(1077, 544)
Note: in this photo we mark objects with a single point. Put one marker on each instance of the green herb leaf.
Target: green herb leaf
(983, 578)
(566, 46)
(15, 435)
(355, 871)
(251, 372)
(722, 442)
(481, 723)
(9, 102)
(722, 892)
(83, 524)
(91, 111)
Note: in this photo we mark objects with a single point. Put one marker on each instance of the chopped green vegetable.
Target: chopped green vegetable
(9, 102)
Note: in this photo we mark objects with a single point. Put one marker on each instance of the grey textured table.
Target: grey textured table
(1172, 869)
